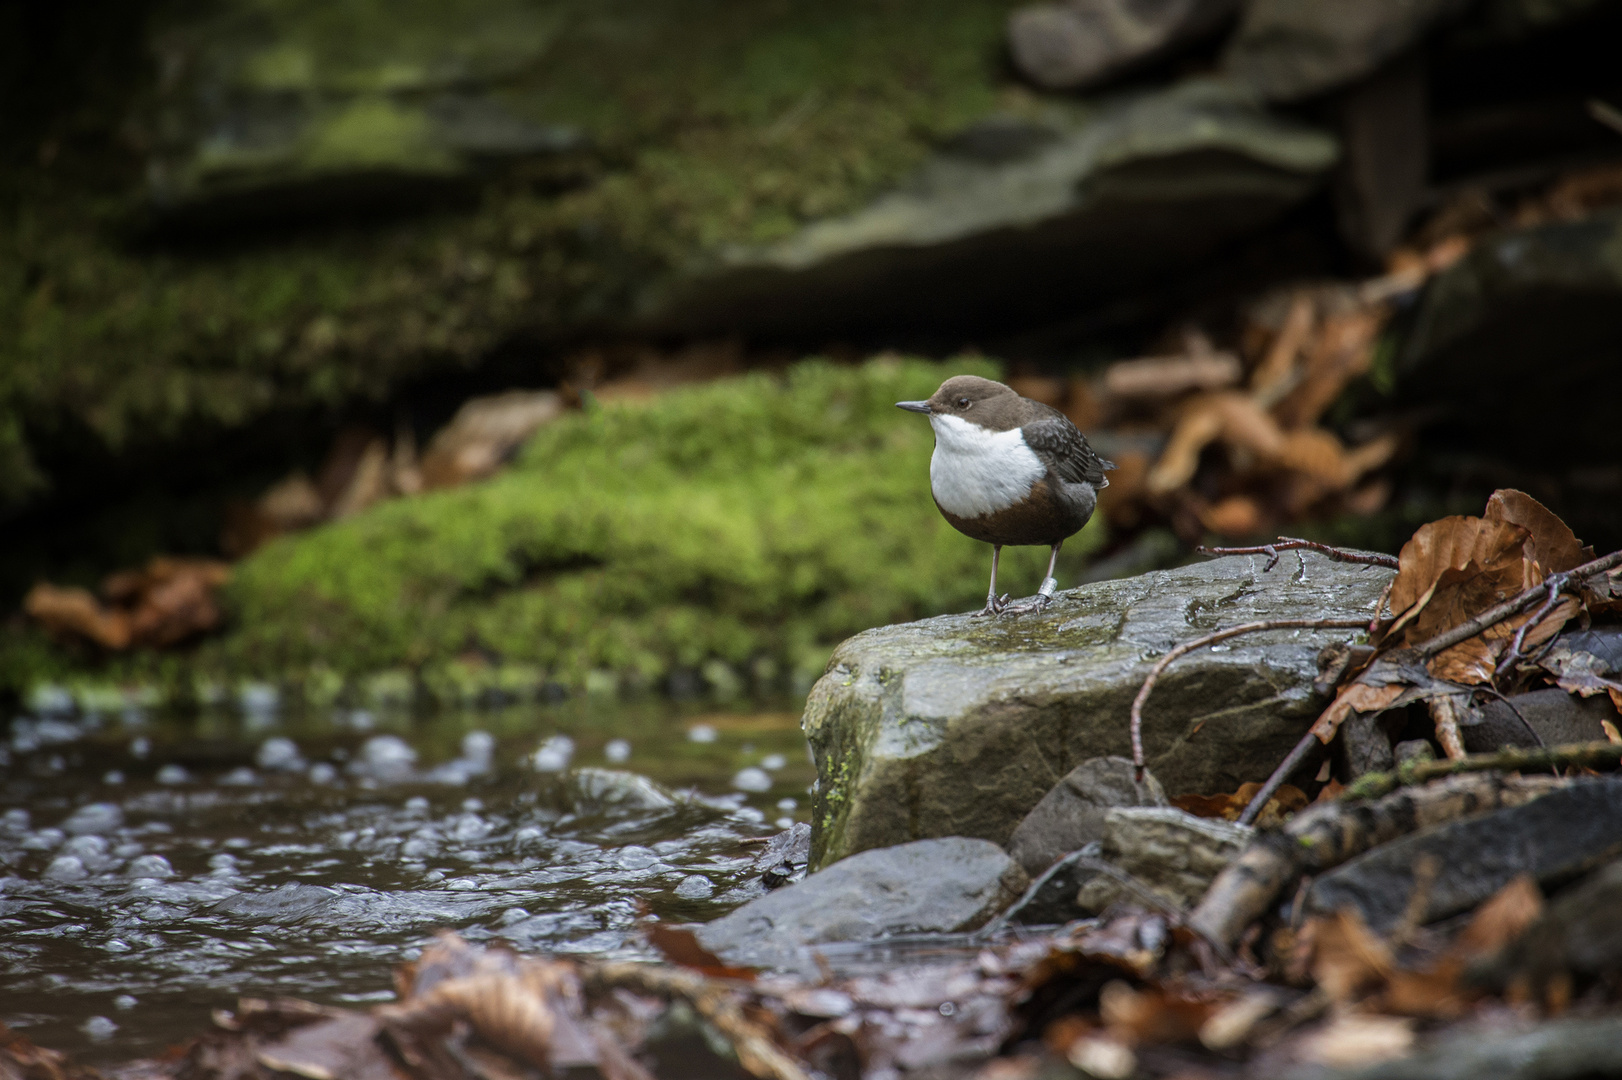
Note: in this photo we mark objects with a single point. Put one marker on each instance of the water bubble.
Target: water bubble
(173, 774)
(634, 857)
(98, 817)
(48, 699)
(66, 868)
(752, 779)
(43, 840)
(787, 804)
(240, 777)
(513, 915)
(361, 720)
(416, 804)
(16, 820)
(554, 754)
(695, 887)
(701, 733)
(140, 747)
(279, 753)
(53, 732)
(784, 823)
(222, 861)
(112, 777)
(386, 757)
(773, 762)
(322, 773)
(479, 746)
(617, 751)
(89, 848)
(259, 699)
(124, 1001)
(98, 1028)
(472, 805)
(127, 851)
(151, 866)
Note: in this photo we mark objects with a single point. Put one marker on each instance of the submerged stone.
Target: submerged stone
(959, 725)
(949, 884)
(1071, 816)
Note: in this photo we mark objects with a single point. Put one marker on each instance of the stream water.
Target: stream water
(152, 869)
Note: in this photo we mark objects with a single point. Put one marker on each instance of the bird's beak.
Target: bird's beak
(913, 406)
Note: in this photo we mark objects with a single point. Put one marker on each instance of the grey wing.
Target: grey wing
(1065, 451)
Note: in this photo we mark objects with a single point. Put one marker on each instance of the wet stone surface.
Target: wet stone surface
(150, 872)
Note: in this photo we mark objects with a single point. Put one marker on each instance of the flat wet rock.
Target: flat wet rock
(959, 726)
(930, 886)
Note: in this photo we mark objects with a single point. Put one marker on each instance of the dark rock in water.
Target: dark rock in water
(1552, 1050)
(1289, 50)
(1551, 292)
(1546, 717)
(284, 904)
(1082, 42)
(950, 884)
(1580, 934)
(959, 726)
(786, 857)
(1072, 815)
(1174, 854)
(1554, 838)
(1033, 228)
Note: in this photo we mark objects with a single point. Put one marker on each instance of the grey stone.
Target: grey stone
(1552, 292)
(959, 726)
(1549, 716)
(1072, 814)
(266, 108)
(1288, 49)
(786, 857)
(1172, 852)
(1112, 199)
(949, 884)
(1081, 42)
(1554, 838)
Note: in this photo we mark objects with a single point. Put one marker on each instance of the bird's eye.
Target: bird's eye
(963, 403)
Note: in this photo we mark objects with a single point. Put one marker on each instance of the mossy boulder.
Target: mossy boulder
(759, 518)
(958, 726)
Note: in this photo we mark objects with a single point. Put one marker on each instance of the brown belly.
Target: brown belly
(1040, 519)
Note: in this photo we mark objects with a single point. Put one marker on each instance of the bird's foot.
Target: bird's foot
(1037, 603)
(995, 605)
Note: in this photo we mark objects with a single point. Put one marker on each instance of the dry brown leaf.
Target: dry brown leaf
(1553, 545)
(1356, 1039)
(680, 945)
(1355, 695)
(1141, 1017)
(1344, 349)
(1277, 374)
(72, 611)
(1348, 959)
(1453, 543)
(1171, 376)
(1287, 800)
(1236, 517)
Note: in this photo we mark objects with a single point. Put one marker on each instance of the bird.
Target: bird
(1009, 471)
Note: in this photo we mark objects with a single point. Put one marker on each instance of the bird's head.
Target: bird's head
(961, 395)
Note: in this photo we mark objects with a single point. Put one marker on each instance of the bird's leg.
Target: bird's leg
(994, 603)
(1044, 595)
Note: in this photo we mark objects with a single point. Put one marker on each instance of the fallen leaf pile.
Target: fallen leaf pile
(168, 602)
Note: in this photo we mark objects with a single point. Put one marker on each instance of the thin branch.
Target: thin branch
(1514, 759)
(1290, 543)
(1555, 584)
(1211, 639)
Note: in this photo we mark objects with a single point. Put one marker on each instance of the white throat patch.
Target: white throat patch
(975, 471)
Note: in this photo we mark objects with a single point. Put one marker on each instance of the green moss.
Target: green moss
(711, 123)
(762, 516)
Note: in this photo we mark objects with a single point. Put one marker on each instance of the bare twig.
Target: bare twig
(1290, 543)
(1211, 639)
(1555, 584)
(1513, 759)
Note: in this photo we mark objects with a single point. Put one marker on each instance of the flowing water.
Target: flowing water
(152, 870)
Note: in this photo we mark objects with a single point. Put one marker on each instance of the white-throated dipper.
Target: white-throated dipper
(1009, 471)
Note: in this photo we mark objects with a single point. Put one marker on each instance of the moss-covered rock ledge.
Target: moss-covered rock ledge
(957, 726)
(755, 521)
